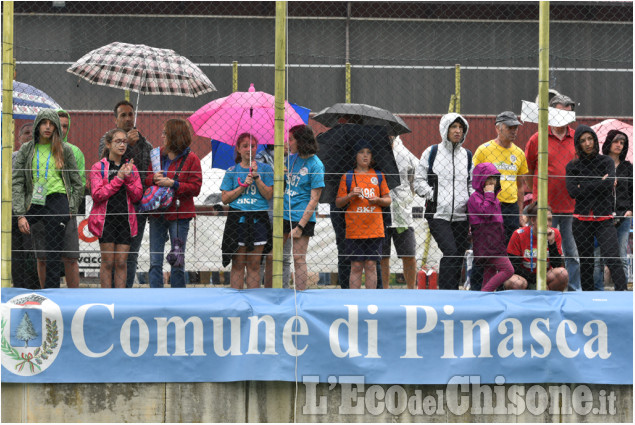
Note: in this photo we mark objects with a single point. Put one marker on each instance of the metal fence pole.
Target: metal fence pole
(457, 88)
(543, 118)
(348, 82)
(280, 52)
(7, 138)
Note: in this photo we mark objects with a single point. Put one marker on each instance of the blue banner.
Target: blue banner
(386, 336)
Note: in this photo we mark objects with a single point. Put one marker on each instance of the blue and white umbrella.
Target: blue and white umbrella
(28, 101)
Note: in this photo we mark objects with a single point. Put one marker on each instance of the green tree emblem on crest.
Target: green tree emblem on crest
(25, 330)
(41, 353)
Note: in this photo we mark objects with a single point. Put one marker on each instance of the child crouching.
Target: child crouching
(488, 233)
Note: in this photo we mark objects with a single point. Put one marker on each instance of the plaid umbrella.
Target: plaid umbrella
(142, 69)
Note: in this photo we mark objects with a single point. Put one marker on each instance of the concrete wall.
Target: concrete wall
(250, 402)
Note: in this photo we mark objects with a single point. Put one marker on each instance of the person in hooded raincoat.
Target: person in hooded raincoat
(70, 253)
(591, 182)
(488, 231)
(47, 187)
(446, 188)
(616, 147)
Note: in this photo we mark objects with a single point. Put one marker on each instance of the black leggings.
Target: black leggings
(451, 237)
(54, 215)
(606, 234)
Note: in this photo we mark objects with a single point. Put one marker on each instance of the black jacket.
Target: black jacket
(624, 188)
(624, 173)
(584, 179)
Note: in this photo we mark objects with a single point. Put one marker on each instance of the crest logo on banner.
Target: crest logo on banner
(32, 331)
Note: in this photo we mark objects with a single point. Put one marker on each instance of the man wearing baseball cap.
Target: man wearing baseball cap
(561, 150)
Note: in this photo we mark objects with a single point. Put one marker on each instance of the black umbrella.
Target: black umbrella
(337, 152)
(359, 113)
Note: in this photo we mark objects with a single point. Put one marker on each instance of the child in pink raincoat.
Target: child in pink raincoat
(115, 187)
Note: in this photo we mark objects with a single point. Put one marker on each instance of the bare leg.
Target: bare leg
(253, 266)
(71, 270)
(269, 270)
(121, 265)
(371, 274)
(409, 271)
(385, 272)
(237, 274)
(41, 271)
(515, 282)
(557, 279)
(300, 246)
(356, 274)
(107, 262)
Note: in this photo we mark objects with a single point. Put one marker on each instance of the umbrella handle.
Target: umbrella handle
(241, 183)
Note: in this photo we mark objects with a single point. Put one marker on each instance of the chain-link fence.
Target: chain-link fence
(417, 60)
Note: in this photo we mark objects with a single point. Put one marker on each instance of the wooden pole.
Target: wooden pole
(278, 150)
(543, 122)
(7, 139)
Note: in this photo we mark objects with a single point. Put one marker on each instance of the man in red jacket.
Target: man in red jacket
(561, 150)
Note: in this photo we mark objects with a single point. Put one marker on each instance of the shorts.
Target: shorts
(404, 242)
(364, 249)
(260, 233)
(71, 240)
(309, 228)
(116, 230)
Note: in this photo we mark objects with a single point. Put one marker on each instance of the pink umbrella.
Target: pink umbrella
(242, 112)
(603, 128)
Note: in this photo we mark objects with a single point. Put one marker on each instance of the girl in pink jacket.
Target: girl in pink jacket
(115, 187)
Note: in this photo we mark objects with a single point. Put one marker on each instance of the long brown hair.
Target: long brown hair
(178, 135)
(57, 149)
(305, 140)
(238, 157)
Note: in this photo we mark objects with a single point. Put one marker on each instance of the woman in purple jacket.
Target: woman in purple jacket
(488, 233)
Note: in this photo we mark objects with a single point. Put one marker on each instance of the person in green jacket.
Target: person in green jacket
(47, 188)
(70, 252)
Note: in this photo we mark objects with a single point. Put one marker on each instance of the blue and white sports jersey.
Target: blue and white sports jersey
(251, 199)
(305, 174)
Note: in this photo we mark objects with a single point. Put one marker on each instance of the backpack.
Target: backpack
(159, 198)
(433, 155)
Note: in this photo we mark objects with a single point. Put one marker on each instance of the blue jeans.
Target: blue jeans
(623, 231)
(159, 229)
(572, 262)
(598, 270)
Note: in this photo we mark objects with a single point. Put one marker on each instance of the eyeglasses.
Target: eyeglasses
(120, 141)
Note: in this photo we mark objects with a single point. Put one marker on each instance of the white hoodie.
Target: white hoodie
(450, 166)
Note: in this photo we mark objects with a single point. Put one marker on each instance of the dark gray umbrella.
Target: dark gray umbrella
(337, 153)
(359, 113)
